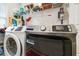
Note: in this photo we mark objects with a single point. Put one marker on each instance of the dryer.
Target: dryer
(55, 40)
(14, 42)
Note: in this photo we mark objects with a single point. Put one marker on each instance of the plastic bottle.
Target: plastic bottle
(23, 23)
(14, 21)
(61, 15)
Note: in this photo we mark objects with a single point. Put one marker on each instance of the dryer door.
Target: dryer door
(12, 45)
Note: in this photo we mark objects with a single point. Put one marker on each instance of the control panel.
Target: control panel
(36, 28)
(53, 28)
(30, 28)
(62, 28)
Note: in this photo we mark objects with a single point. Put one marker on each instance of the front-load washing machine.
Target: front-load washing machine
(14, 42)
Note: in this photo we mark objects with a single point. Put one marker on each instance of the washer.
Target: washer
(14, 42)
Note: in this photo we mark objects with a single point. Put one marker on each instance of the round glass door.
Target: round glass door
(11, 46)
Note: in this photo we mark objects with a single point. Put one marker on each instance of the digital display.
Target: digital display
(59, 28)
(64, 28)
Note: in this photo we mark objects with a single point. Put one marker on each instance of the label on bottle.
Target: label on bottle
(61, 15)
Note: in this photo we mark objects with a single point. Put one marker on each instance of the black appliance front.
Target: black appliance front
(48, 45)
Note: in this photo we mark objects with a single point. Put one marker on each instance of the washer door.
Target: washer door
(12, 45)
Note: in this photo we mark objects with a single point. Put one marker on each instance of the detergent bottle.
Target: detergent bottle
(14, 21)
(23, 22)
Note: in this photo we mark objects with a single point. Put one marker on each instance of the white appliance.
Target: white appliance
(14, 42)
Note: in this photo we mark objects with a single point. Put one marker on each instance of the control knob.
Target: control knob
(43, 28)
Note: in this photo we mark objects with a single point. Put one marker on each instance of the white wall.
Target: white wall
(38, 19)
(43, 18)
(3, 12)
(74, 13)
(11, 7)
(6, 9)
